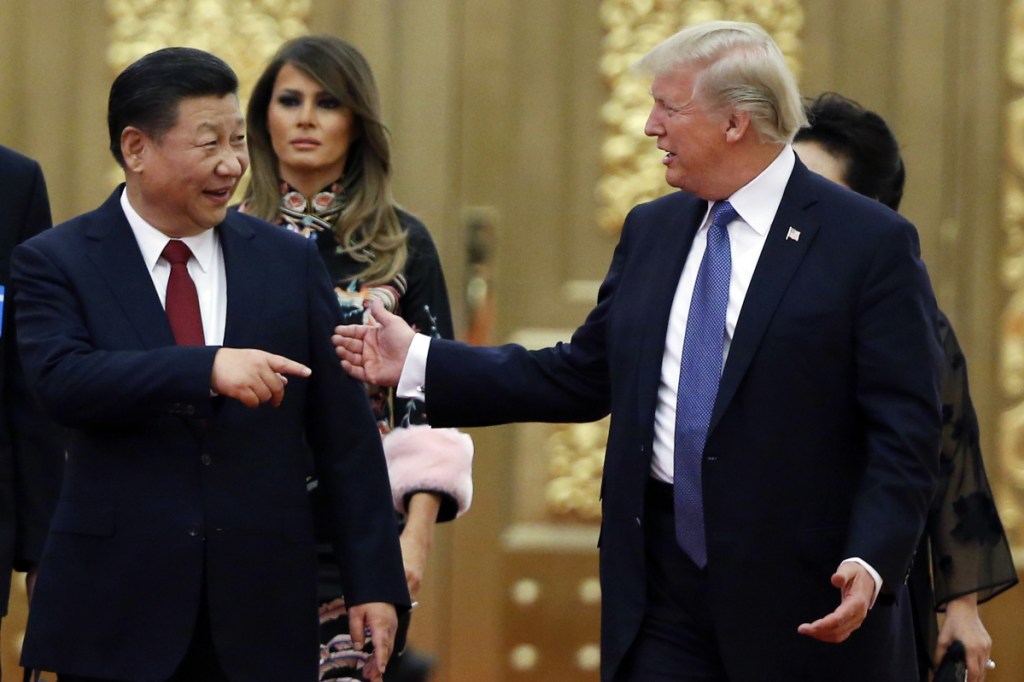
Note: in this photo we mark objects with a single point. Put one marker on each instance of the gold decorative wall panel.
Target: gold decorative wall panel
(575, 465)
(1008, 476)
(244, 33)
(632, 172)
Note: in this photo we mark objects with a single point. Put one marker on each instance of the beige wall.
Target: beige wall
(495, 104)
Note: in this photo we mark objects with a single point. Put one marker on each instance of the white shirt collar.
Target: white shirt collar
(152, 241)
(758, 201)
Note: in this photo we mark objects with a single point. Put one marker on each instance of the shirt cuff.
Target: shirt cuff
(874, 575)
(414, 372)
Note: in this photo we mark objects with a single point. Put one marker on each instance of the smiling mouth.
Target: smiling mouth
(220, 194)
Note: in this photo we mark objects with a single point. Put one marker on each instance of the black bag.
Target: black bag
(953, 666)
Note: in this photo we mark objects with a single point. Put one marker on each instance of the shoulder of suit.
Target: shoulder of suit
(262, 229)
(838, 205)
(14, 162)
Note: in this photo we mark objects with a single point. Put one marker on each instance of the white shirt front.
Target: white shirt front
(756, 203)
(206, 267)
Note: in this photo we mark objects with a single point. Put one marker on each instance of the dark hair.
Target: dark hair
(862, 140)
(368, 227)
(147, 93)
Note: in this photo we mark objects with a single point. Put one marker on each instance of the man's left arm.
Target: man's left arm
(351, 470)
(898, 360)
(898, 373)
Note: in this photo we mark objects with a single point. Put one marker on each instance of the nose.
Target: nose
(307, 113)
(653, 127)
(233, 163)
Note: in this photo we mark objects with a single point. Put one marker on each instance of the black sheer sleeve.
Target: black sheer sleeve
(970, 552)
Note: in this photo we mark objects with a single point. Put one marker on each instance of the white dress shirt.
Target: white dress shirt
(206, 267)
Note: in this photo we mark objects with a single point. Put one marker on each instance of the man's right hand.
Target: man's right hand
(253, 376)
(374, 353)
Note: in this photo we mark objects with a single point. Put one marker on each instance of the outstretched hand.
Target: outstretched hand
(374, 352)
(858, 589)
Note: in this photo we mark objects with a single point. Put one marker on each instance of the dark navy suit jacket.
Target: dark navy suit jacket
(823, 442)
(31, 446)
(168, 489)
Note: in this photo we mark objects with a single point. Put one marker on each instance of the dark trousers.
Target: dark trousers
(677, 641)
(200, 662)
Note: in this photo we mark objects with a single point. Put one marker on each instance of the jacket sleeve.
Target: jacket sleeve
(349, 461)
(897, 359)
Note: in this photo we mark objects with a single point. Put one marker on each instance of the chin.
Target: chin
(214, 219)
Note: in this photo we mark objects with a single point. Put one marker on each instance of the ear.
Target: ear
(737, 126)
(134, 144)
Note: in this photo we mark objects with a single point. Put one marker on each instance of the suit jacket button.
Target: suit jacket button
(206, 459)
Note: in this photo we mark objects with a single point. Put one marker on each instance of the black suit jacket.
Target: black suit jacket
(31, 446)
(824, 437)
(168, 489)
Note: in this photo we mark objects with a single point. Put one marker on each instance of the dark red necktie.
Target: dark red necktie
(182, 303)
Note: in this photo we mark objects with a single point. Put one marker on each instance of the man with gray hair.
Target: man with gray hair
(765, 343)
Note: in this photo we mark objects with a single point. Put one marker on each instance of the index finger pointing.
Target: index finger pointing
(283, 365)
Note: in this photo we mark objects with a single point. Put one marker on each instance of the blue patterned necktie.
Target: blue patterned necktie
(699, 374)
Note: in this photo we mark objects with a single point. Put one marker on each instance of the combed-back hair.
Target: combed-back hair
(147, 93)
(740, 66)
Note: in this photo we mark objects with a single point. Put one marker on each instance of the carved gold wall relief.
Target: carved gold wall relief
(245, 33)
(575, 464)
(1009, 472)
(632, 172)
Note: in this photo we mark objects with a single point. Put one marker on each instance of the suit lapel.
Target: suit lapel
(245, 284)
(668, 251)
(116, 253)
(779, 261)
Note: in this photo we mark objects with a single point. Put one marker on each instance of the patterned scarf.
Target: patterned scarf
(315, 215)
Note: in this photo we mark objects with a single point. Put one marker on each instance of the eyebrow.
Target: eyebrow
(207, 126)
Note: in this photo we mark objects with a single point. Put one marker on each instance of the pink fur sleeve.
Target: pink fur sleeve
(421, 458)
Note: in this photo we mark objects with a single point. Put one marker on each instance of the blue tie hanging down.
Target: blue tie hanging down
(699, 375)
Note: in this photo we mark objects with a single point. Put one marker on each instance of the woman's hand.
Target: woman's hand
(963, 622)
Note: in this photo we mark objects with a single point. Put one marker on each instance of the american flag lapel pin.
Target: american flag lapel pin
(793, 234)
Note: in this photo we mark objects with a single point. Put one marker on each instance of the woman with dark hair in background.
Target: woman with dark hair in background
(970, 555)
(321, 166)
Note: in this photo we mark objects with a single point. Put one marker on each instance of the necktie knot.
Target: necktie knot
(176, 252)
(722, 213)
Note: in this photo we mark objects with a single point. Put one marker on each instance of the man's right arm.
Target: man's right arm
(78, 383)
